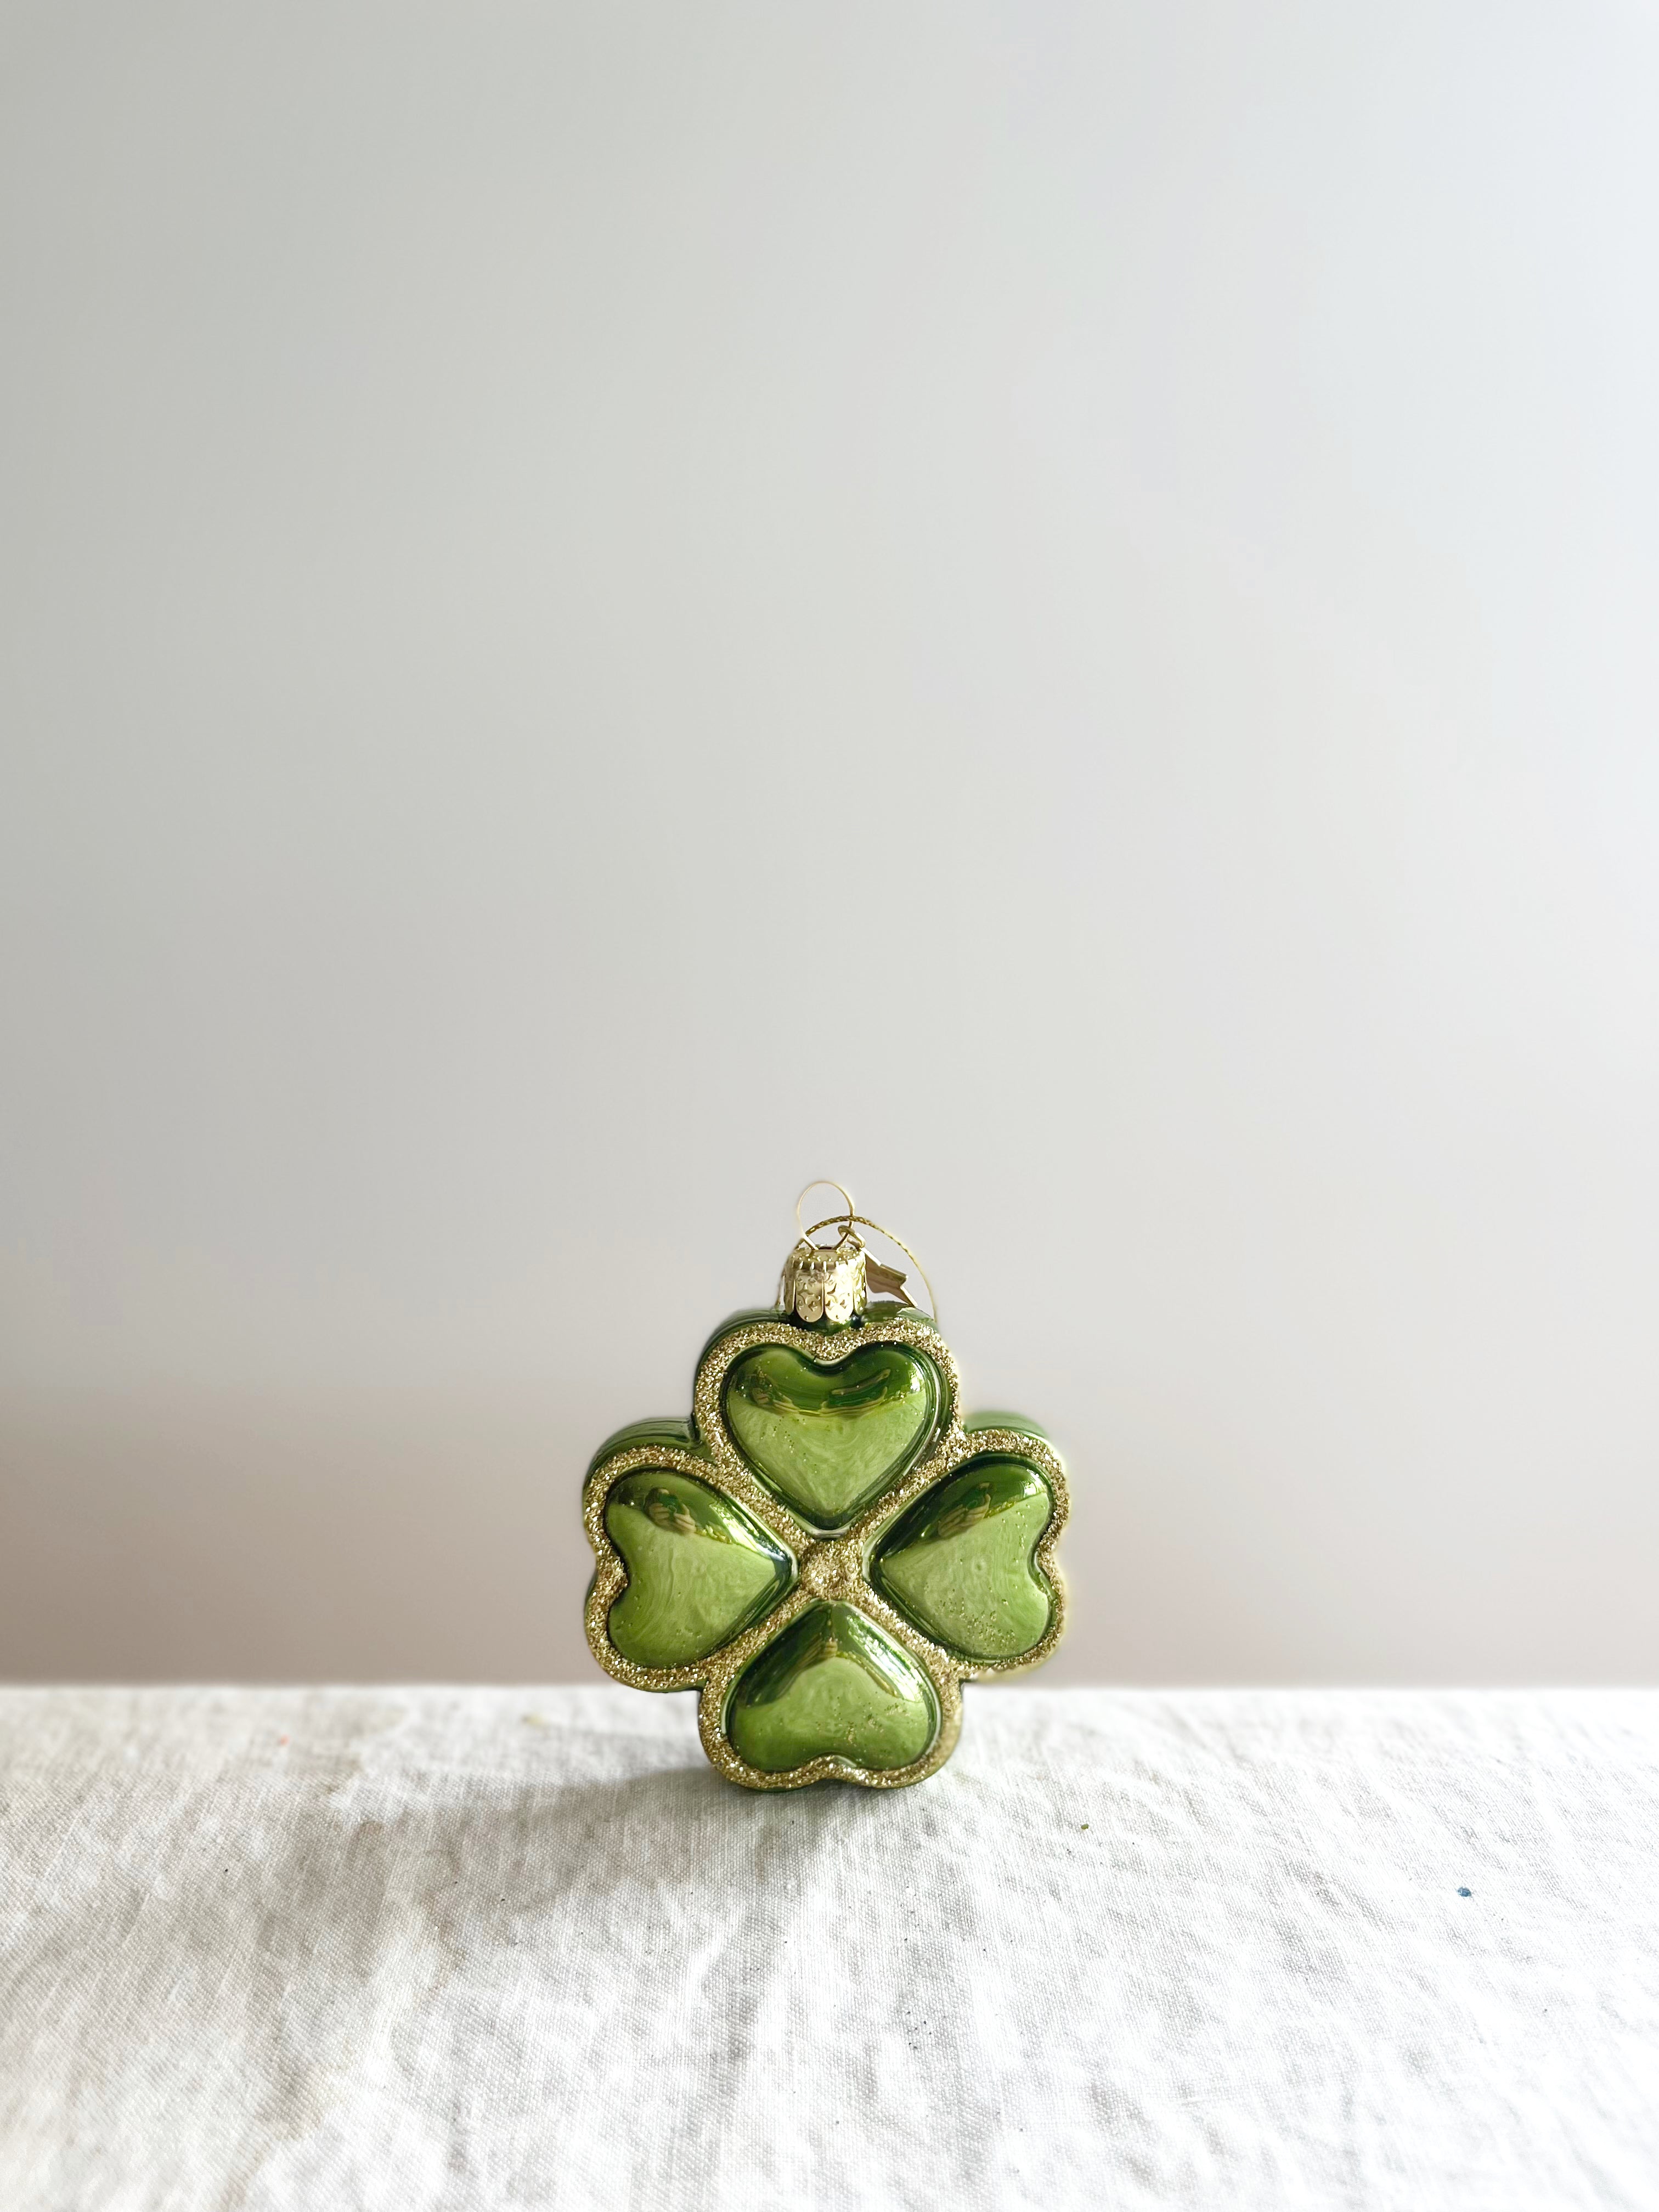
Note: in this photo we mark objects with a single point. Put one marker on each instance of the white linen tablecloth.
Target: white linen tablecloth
(432, 1950)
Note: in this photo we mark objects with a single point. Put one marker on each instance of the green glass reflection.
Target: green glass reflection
(828, 1439)
(959, 1565)
(832, 1683)
(699, 1569)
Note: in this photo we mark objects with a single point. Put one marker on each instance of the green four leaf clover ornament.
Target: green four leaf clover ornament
(827, 1550)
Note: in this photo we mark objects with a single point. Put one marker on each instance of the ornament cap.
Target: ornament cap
(833, 1282)
(825, 1282)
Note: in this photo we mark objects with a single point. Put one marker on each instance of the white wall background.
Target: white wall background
(1048, 608)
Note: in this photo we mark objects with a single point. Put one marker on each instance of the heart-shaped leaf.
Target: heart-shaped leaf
(699, 1569)
(828, 1439)
(832, 1683)
(959, 1563)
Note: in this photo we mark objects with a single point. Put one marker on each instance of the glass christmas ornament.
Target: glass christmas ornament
(828, 1548)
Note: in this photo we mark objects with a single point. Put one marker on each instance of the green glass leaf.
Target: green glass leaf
(832, 1682)
(699, 1569)
(828, 1439)
(1019, 1423)
(959, 1564)
(662, 1429)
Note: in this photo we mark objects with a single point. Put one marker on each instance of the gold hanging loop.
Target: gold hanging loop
(830, 1183)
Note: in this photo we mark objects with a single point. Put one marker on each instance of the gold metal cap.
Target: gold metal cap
(833, 1282)
(825, 1282)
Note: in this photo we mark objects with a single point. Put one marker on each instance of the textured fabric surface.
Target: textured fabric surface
(483, 1948)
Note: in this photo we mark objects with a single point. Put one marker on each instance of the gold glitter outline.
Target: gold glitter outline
(835, 1569)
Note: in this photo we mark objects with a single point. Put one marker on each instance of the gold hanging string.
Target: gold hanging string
(830, 1183)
